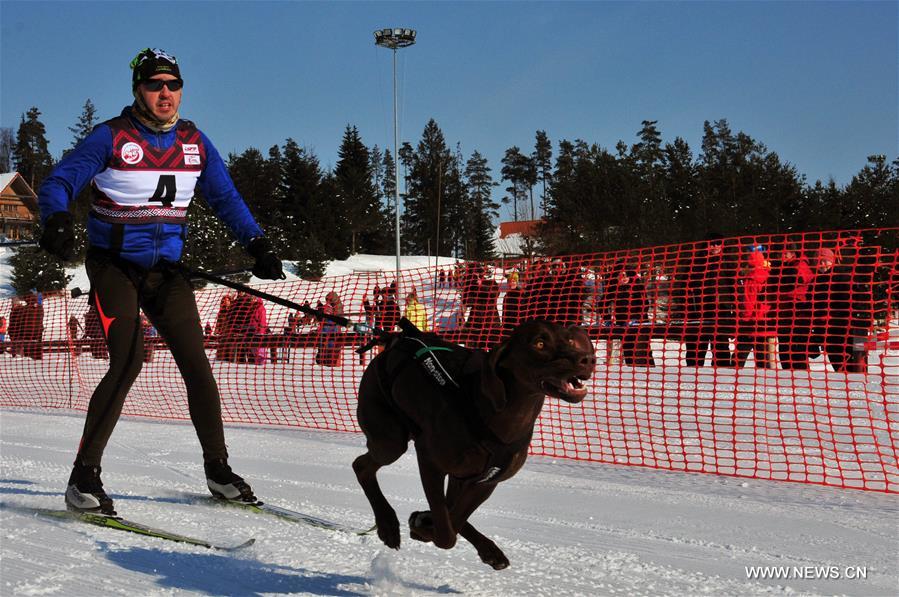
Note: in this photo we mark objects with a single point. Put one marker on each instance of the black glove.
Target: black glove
(58, 238)
(267, 266)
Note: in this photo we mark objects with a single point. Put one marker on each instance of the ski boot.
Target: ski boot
(85, 491)
(226, 484)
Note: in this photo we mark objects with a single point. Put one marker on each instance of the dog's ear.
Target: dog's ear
(492, 386)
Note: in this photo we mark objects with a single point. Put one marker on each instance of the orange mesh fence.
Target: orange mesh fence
(773, 357)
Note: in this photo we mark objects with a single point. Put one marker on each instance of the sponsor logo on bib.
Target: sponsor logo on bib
(190, 148)
(132, 153)
(192, 160)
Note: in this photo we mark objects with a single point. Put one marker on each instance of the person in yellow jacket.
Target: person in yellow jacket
(415, 312)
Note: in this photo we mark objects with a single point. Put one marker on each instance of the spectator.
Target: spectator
(450, 322)
(416, 312)
(793, 278)
(842, 307)
(241, 327)
(861, 320)
(73, 327)
(257, 328)
(307, 318)
(627, 300)
(328, 354)
(387, 308)
(150, 335)
(33, 327)
(756, 331)
(830, 310)
(17, 321)
(3, 330)
(290, 332)
(704, 297)
(572, 295)
(93, 330)
(368, 308)
(223, 330)
(481, 294)
(207, 331)
(538, 302)
(512, 304)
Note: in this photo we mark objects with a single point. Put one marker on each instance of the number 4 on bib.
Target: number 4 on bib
(165, 190)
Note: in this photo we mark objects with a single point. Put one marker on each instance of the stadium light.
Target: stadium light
(395, 39)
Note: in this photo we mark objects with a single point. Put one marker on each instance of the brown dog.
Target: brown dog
(471, 415)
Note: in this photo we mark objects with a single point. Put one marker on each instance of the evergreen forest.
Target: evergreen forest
(588, 197)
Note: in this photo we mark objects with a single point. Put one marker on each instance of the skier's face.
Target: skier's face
(163, 103)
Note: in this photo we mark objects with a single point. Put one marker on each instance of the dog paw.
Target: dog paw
(421, 526)
(494, 557)
(389, 532)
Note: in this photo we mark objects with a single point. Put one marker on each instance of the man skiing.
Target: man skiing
(143, 167)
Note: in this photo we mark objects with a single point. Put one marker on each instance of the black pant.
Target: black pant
(636, 349)
(697, 346)
(119, 290)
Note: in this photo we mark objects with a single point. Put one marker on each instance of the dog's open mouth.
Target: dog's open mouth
(572, 390)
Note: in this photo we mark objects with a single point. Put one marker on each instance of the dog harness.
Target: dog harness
(447, 365)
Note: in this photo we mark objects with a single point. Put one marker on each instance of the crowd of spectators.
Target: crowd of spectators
(784, 304)
(23, 330)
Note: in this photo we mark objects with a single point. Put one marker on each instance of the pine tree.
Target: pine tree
(452, 221)
(516, 174)
(356, 191)
(7, 145)
(379, 239)
(84, 126)
(376, 164)
(34, 268)
(429, 166)
(388, 181)
(872, 197)
(211, 245)
(542, 157)
(80, 207)
(300, 179)
(478, 241)
(650, 202)
(587, 212)
(681, 189)
(257, 182)
(31, 154)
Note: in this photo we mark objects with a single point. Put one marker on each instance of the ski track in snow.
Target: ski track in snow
(568, 528)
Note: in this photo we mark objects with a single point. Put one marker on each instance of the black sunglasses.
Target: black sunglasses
(156, 84)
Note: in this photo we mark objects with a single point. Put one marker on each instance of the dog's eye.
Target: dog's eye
(539, 344)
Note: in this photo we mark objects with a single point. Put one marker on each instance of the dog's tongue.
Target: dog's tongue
(569, 389)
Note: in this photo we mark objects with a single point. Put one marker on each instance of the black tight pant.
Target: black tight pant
(119, 290)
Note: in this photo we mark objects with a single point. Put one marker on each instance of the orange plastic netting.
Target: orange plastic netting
(774, 357)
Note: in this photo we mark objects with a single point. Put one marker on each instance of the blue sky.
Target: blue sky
(815, 81)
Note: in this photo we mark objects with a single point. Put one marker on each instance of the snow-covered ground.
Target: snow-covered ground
(568, 528)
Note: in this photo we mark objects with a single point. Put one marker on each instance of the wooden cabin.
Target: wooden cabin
(18, 207)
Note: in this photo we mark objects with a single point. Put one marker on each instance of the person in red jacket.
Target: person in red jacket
(792, 287)
(3, 328)
(755, 317)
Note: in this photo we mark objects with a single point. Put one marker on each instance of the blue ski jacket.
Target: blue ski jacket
(144, 244)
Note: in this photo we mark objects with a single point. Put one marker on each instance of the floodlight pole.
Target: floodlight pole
(395, 39)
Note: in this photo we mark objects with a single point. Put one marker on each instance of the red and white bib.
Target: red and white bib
(142, 184)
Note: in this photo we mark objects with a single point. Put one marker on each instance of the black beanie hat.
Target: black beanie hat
(150, 62)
